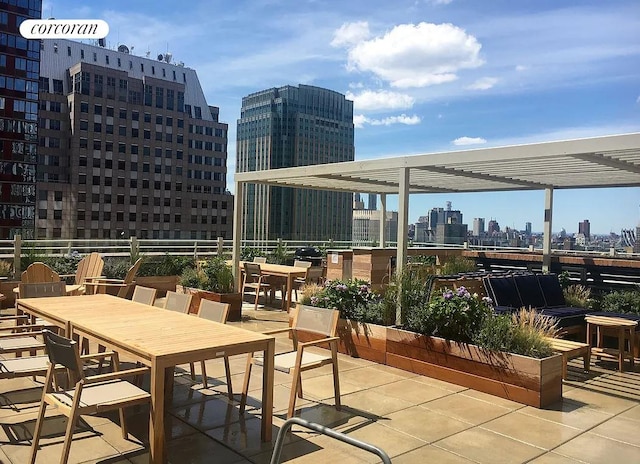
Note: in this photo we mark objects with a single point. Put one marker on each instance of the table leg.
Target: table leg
(156, 419)
(267, 391)
(620, 348)
(289, 291)
(632, 345)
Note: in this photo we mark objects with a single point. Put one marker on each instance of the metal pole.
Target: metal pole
(403, 224)
(546, 239)
(237, 231)
(383, 220)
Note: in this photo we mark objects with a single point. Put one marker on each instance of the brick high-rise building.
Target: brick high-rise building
(19, 72)
(584, 228)
(128, 147)
(294, 126)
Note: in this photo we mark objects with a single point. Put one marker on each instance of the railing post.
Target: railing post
(133, 247)
(17, 254)
(195, 251)
(220, 246)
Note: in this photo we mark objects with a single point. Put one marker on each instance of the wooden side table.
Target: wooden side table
(623, 329)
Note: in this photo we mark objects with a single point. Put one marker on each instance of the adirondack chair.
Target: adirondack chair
(89, 267)
(39, 273)
(118, 287)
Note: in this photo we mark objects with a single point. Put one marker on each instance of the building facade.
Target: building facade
(584, 228)
(286, 127)
(128, 147)
(366, 226)
(19, 73)
(478, 227)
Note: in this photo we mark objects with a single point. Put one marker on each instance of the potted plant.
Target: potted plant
(212, 280)
(163, 273)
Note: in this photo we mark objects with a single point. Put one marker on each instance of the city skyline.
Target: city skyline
(425, 76)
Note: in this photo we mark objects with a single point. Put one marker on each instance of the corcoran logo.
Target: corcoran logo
(64, 29)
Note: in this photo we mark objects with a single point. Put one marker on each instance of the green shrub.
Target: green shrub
(279, 255)
(214, 275)
(578, 296)
(116, 267)
(67, 264)
(457, 265)
(522, 333)
(6, 268)
(167, 265)
(351, 298)
(622, 301)
(248, 253)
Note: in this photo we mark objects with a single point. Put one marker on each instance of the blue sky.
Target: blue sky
(425, 76)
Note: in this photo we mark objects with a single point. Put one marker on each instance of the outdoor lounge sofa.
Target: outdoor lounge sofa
(541, 292)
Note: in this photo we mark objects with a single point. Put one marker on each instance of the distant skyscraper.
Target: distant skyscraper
(585, 228)
(294, 126)
(373, 201)
(493, 226)
(357, 202)
(527, 228)
(19, 73)
(478, 226)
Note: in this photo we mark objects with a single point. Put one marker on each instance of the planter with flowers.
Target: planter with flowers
(457, 338)
(453, 336)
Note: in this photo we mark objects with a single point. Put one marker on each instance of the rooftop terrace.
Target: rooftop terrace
(411, 417)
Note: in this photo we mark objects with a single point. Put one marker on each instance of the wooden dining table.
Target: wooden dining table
(159, 339)
(290, 273)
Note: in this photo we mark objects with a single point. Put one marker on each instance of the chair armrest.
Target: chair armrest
(302, 345)
(65, 276)
(275, 331)
(116, 375)
(104, 283)
(91, 356)
(20, 334)
(14, 318)
(24, 326)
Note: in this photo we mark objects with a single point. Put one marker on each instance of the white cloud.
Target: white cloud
(484, 83)
(350, 34)
(439, 2)
(370, 100)
(521, 67)
(419, 55)
(356, 85)
(638, 99)
(469, 141)
(360, 120)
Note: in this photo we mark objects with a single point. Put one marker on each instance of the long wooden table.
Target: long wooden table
(278, 270)
(159, 339)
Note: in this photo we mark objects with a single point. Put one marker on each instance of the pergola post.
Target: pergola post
(403, 224)
(546, 238)
(383, 219)
(238, 211)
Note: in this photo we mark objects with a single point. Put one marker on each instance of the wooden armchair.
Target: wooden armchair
(319, 322)
(118, 287)
(90, 267)
(39, 272)
(91, 395)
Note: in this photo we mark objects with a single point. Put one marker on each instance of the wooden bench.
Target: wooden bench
(569, 350)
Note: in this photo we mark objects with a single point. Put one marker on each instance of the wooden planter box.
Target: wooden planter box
(535, 382)
(234, 299)
(6, 288)
(162, 284)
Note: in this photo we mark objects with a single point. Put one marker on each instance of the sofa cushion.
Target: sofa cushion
(504, 292)
(529, 290)
(551, 290)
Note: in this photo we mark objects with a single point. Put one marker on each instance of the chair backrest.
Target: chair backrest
(64, 352)
(300, 263)
(321, 321)
(144, 295)
(214, 311)
(42, 289)
(504, 291)
(133, 270)
(315, 275)
(39, 272)
(529, 290)
(178, 302)
(252, 271)
(552, 290)
(260, 259)
(89, 266)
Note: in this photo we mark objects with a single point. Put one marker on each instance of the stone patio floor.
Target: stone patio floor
(414, 419)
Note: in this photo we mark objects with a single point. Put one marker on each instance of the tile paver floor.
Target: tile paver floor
(414, 419)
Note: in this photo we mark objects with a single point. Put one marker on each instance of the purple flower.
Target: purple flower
(341, 287)
(487, 300)
(447, 295)
(314, 300)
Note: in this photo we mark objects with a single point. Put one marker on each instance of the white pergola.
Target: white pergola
(609, 161)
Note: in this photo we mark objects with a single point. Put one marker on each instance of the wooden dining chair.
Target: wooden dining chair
(91, 395)
(118, 287)
(260, 259)
(144, 295)
(255, 280)
(298, 282)
(322, 324)
(216, 312)
(178, 302)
